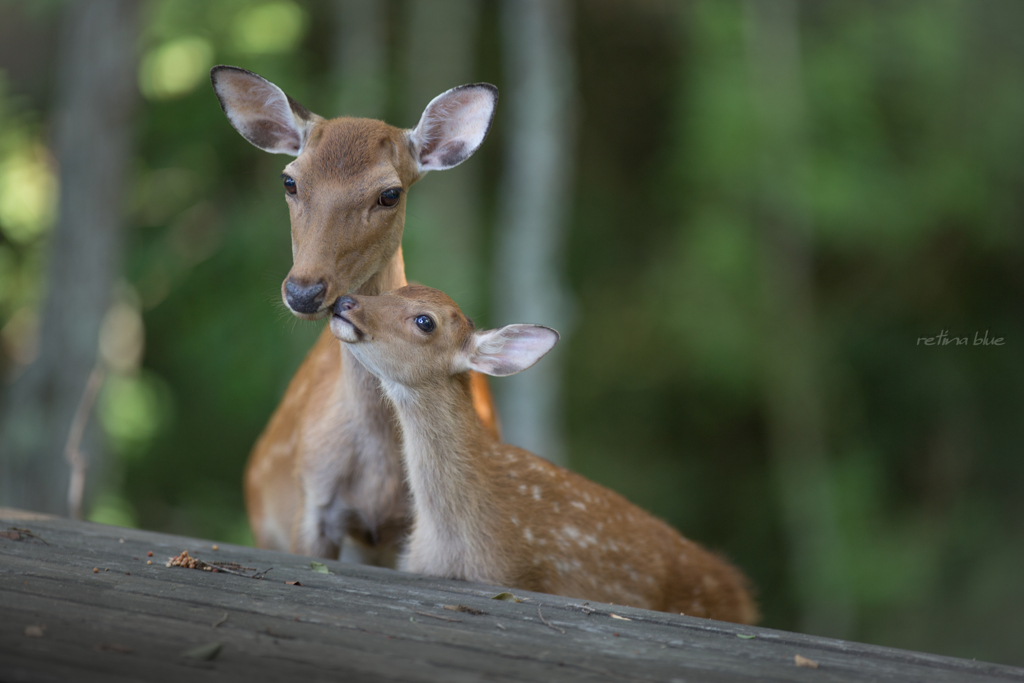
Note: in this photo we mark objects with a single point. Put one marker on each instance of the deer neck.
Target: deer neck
(387, 279)
(444, 449)
(358, 390)
(356, 381)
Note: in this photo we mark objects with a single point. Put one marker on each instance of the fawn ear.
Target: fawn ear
(260, 110)
(508, 350)
(453, 126)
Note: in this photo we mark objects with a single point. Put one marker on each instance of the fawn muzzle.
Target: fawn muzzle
(342, 324)
(345, 303)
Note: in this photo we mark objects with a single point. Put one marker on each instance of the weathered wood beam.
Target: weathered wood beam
(131, 620)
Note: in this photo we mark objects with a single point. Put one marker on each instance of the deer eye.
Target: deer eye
(425, 323)
(389, 197)
(289, 184)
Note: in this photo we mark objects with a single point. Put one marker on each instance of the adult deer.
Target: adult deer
(328, 464)
(490, 512)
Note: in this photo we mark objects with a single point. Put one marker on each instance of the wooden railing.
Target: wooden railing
(81, 601)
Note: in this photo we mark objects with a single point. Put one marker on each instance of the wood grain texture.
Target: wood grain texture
(132, 621)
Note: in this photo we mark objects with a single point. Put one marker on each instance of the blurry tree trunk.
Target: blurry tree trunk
(793, 398)
(360, 57)
(92, 139)
(535, 198)
(442, 240)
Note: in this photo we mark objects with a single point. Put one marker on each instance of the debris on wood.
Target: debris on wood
(500, 626)
(505, 595)
(149, 554)
(548, 623)
(203, 653)
(216, 547)
(746, 636)
(114, 647)
(804, 662)
(35, 631)
(616, 616)
(463, 608)
(95, 570)
(292, 583)
(221, 620)
(434, 616)
(188, 562)
(14, 533)
(585, 608)
(320, 567)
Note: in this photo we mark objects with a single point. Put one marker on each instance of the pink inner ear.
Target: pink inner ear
(274, 136)
(512, 349)
(453, 126)
(259, 110)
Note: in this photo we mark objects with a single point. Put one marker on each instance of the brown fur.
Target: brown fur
(487, 511)
(330, 450)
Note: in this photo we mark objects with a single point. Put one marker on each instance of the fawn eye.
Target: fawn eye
(389, 197)
(289, 184)
(425, 323)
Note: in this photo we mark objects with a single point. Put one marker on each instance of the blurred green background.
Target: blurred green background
(767, 206)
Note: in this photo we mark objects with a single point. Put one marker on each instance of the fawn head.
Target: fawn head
(417, 336)
(346, 187)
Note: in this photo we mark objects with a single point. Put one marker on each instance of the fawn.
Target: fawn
(490, 512)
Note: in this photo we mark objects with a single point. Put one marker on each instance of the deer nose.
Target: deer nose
(345, 303)
(304, 298)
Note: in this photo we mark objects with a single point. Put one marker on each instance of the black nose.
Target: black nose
(304, 298)
(345, 303)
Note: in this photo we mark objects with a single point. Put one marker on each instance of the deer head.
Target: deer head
(346, 187)
(417, 336)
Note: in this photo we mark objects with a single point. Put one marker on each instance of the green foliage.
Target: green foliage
(909, 183)
(28, 191)
(133, 410)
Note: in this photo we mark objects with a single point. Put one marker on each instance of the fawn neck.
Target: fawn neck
(442, 446)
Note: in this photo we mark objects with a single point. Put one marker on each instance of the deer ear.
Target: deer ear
(453, 126)
(508, 350)
(261, 112)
